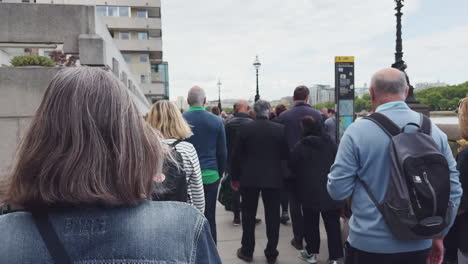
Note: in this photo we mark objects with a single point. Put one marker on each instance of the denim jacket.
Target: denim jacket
(152, 232)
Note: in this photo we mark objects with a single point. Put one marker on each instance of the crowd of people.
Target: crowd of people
(94, 181)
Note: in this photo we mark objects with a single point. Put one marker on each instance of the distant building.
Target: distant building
(426, 85)
(181, 103)
(321, 93)
(287, 101)
(135, 26)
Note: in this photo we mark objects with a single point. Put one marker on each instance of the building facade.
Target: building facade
(320, 93)
(135, 26)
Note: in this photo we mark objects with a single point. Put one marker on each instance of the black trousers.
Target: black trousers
(284, 200)
(211, 195)
(356, 256)
(331, 221)
(236, 208)
(249, 204)
(295, 208)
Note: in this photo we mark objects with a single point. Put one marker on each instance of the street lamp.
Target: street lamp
(399, 62)
(257, 65)
(219, 95)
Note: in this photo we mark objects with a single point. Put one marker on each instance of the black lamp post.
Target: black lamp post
(399, 62)
(257, 65)
(219, 95)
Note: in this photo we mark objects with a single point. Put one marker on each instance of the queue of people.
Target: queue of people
(92, 178)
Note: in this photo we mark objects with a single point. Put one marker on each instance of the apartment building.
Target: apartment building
(135, 26)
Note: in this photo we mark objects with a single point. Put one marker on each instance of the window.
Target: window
(127, 57)
(144, 78)
(144, 57)
(124, 35)
(124, 11)
(113, 11)
(142, 13)
(101, 10)
(154, 68)
(142, 35)
(25, 1)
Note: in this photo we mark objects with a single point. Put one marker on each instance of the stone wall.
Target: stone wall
(21, 91)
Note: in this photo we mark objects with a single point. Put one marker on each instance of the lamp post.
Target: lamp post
(219, 95)
(399, 62)
(257, 65)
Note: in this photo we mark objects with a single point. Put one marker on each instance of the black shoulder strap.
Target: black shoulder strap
(426, 125)
(175, 143)
(387, 125)
(54, 246)
(371, 195)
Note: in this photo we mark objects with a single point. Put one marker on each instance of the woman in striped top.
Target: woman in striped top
(165, 117)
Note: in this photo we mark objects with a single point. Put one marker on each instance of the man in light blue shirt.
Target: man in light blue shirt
(364, 153)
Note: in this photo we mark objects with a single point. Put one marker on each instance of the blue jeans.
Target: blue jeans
(211, 196)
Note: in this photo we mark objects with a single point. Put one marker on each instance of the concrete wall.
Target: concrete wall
(21, 91)
(28, 23)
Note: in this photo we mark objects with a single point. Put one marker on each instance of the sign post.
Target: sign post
(344, 94)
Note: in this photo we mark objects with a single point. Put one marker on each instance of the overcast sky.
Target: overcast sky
(297, 40)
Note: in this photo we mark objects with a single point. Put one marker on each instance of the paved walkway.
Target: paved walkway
(229, 238)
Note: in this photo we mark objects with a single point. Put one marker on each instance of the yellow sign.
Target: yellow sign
(344, 59)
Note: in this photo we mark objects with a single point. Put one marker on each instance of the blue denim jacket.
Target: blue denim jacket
(152, 232)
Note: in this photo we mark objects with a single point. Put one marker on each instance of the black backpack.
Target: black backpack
(416, 202)
(175, 184)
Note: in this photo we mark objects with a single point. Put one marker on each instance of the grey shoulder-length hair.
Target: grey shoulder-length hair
(87, 144)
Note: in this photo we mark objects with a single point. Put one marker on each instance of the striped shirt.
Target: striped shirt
(193, 172)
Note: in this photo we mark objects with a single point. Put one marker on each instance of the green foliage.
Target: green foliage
(327, 105)
(438, 98)
(360, 104)
(363, 103)
(443, 98)
(32, 60)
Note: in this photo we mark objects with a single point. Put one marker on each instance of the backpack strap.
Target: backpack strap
(387, 125)
(426, 125)
(49, 236)
(175, 143)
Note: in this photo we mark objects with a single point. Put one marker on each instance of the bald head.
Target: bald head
(196, 96)
(389, 81)
(242, 106)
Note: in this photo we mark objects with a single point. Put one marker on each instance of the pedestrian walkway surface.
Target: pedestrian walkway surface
(229, 240)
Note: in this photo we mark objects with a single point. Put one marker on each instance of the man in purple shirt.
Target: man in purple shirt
(291, 119)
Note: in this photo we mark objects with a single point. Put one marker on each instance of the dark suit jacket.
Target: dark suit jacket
(292, 117)
(259, 155)
(232, 132)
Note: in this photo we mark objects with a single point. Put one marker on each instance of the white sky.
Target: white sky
(297, 40)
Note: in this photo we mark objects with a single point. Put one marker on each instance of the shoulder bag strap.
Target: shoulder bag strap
(49, 236)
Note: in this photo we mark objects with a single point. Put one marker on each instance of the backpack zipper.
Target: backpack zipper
(434, 198)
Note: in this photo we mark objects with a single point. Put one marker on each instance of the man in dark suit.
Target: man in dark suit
(241, 116)
(256, 167)
(291, 119)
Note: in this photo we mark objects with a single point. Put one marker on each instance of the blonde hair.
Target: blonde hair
(463, 118)
(165, 117)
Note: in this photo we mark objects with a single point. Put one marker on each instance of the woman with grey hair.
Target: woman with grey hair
(83, 180)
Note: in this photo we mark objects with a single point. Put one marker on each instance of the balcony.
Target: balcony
(132, 23)
(152, 45)
(152, 88)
